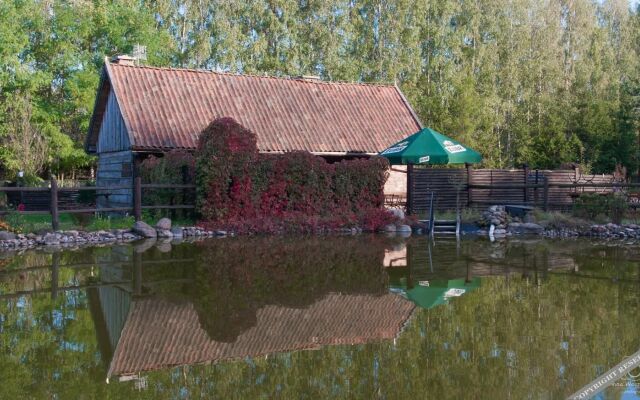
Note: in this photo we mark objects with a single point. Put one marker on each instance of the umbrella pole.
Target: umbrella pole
(409, 206)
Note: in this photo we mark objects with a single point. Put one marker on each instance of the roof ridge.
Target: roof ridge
(286, 78)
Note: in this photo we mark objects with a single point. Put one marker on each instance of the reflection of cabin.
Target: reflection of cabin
(145, 110)
(160, 333)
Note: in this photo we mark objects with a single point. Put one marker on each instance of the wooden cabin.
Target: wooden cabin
(141, 110)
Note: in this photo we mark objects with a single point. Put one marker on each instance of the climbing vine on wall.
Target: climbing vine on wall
(245, 190)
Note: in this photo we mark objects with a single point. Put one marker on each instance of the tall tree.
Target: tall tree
(537, 81)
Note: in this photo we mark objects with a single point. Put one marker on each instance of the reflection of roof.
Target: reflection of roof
(160, 333)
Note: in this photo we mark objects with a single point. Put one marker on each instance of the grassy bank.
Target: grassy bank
(87, 222)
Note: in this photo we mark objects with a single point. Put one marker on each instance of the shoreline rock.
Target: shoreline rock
(504, 225)
(10, 241)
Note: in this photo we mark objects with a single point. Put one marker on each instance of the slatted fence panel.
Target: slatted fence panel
(448, 184)
(482, 197)
(560, 198)
(41, 201)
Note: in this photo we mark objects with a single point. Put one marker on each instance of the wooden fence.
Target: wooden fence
(53, 194)
(479, 188)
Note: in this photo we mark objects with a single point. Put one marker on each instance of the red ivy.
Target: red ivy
(240, 189)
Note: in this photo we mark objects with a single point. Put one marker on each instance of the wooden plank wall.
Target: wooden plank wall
(113, 134)
(110, 173)
(449, 183)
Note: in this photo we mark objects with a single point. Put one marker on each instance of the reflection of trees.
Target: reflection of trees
(45, 344)
(234, 278)
(510, 338)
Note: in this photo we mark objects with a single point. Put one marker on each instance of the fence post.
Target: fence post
(546, 194)
(55, 221)
(409, 188)
(469, 182)
(535, 191)
(525, 166)
(137, 198)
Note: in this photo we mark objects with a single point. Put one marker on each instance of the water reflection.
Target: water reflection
(241, 298)
(388, 317)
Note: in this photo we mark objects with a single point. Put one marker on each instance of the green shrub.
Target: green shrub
(87, 196)
(100, 223)
(593, 206)
(175, 167)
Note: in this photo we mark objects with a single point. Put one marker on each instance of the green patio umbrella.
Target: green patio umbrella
(430, 147)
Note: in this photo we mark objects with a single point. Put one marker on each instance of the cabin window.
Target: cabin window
(126, 170)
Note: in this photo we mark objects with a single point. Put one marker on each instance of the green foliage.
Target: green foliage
(558, 220)
(522, 81)
(497, 341)
(36, 223)
(105, 223)
(593, 205)
(50, 59)
(174, 167)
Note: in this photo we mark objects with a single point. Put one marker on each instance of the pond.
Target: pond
(318, 317)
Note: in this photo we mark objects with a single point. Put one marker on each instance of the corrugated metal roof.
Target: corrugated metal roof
(160, 333)
(167, 108)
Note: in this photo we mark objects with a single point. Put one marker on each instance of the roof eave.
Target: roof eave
(94, 126)
(89, 147)
(139, 149)
(414, 115)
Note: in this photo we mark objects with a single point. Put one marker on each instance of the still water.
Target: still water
(321, 317)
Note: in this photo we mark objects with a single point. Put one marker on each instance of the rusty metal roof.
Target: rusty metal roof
(167, 108)
(159, 333)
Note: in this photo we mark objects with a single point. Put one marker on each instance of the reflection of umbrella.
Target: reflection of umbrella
(430, 147)
(433, 293)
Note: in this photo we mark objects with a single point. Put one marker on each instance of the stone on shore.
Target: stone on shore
(526, 228)
(403, 228)
(164, 224)
(51, 239)
(143, 229)
(398, 213)
(164, 233)
(389, 228)
(4, 235)
(177, 232)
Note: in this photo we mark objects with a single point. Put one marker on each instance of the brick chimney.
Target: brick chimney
(311, 78)
(123, 59)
